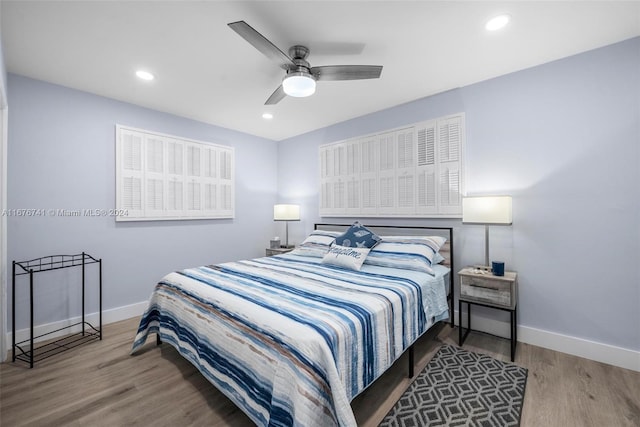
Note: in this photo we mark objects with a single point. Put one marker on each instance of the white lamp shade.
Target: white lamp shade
(487, 210)
(286, 212)
(299, 85)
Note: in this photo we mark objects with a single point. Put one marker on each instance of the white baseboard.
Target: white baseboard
(605, 353)
(612, 355)
(108, 316)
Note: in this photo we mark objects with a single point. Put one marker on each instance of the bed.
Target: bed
(292, 340)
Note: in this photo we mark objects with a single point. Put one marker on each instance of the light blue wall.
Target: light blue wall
(62, 156)
(3, 77)
(562, 138)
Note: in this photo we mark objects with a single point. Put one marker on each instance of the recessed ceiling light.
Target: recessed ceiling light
(145, 75)
(497, 22)
(267, 116)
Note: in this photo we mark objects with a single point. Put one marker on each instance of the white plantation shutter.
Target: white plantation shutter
(369, 195)
(387, 151)
(368, 176)
(225, 182)
(155, 194)
(326, 197)
(334, 171)
(405, 192)
(129, 172)
(353, 158)
(155, 155)
(352, 177)
(426, 168)
(226, 164)
(339, 161)
(194, 167)
(450, 165)
(449, 140)
(175, 197)
(154, 175)
(132, 151)
(164, 177)
(175, 155)
(353, 194)
(226, 203)
(193, 160)
(175, 179)
(405, 171)
(132, 193)
(209, 165)
(326, 162)
(193, 197)
(339, 195)
(426, 200)
(386, 194)
(426, 135)
(369, 163)
(449, 186)
(405, 149)
(210, 197)
(415, 171)
(209, 180)
(386, 173)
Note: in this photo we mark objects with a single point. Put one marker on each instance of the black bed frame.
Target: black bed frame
(449, 231)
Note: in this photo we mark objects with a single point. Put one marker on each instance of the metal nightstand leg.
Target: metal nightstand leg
(461, 336)
(514, 333)
(460, 323)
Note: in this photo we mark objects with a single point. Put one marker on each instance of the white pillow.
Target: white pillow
(345, 256)
(316, 244)
(407, 252)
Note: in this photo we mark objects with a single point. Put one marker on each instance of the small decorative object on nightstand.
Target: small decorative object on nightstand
(277, 251)
(481, 287)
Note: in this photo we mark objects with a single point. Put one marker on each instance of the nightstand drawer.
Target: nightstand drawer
(487, 290)
(277, 251)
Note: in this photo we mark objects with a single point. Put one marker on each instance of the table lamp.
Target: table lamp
(286, 213)
(486, 210)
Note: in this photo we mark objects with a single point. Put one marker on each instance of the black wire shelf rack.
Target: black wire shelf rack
(26, 350)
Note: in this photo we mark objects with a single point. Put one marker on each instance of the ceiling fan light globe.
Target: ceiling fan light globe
(299, 85)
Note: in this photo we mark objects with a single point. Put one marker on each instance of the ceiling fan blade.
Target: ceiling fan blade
(346, 72)
(276, 96)
(261, 43)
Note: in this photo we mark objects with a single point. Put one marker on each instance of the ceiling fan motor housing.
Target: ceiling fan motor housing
(298, 52)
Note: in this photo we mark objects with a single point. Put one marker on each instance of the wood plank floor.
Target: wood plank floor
(100, 384)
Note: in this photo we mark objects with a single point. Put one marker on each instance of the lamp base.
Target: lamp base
(287, 246)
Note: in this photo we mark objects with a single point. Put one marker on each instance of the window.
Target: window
(409, 172)
(162, 177)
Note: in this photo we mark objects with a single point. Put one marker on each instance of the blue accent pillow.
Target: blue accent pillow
(358, 236)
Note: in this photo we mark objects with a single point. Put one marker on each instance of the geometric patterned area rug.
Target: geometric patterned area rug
(462, 388)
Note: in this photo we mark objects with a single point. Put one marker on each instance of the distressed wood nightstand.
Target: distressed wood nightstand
(278, 251)
(481, 287)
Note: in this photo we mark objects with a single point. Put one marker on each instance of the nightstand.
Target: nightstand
(278, 251)
(481, 287)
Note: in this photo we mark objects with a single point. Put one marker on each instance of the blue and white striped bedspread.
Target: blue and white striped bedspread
(289, 340)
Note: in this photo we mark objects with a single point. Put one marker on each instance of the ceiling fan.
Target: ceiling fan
(301, 77)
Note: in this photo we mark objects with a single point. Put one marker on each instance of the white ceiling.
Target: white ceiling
(206, 72)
